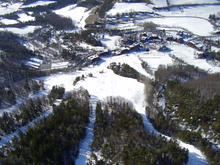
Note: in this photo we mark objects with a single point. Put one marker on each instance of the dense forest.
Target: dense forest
(191, 103)
(55, 139)
(120, 137)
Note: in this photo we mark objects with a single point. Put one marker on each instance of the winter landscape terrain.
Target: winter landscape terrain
(76, 51)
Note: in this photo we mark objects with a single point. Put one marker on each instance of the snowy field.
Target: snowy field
(195, 11)
(112, 42)
(160, 3)
(163, 3)
(38, 3)
(129, 7)
(77, 14)
(197, 26)
(6, 8)
(187, 54)
(24, 17)
(8, 21)
(21, 31)
(182, 2)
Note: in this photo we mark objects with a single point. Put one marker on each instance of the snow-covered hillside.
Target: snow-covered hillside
(104, 82)
(129, 7)
(181, 2)
(21, 31)
(77, 14)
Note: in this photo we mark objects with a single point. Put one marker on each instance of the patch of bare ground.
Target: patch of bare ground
(93, 16)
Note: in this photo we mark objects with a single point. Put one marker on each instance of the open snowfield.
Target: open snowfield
(20, 31)
(38, 3)
(195, 11)
(160, 3)
(77, 14)
(6, 8)
(112, 42)
(181, 2)
(8, 21)
(187, 54)
(163, 3)
(197, 26)
(24, 17)
(129, 7)
(155, 58)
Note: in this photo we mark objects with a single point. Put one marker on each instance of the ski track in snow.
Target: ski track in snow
(84, 151)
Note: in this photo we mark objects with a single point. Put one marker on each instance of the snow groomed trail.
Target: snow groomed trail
(85, 150)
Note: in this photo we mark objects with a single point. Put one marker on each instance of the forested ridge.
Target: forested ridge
(121, 138)
(55, 139)
(191, 110)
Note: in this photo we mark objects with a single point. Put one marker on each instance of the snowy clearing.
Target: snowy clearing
(187, 54)
(160, 3)
(77, 14)
(20, 31)
(129, 7)
(181, 2)
(112, 42)
(191, 24)
(198, 11)
(24, 17)
(6, 8)
(8, 21)
(155, 58)
(38, 3)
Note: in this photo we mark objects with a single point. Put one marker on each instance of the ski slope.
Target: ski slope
(105, 83)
